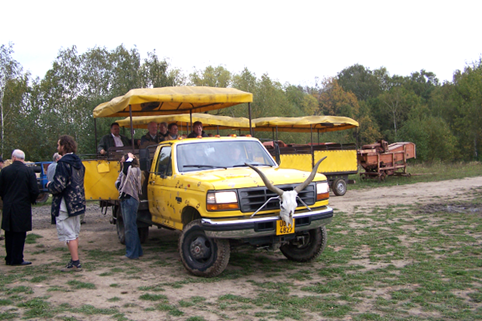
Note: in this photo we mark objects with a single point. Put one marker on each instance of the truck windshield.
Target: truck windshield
(208, 155)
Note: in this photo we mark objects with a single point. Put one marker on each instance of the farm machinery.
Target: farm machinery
(380, 159)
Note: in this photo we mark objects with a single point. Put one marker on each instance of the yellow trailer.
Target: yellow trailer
(341, 159)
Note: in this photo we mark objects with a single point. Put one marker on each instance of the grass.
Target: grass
(404, 262)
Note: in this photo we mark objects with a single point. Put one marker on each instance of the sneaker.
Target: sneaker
(71, 267)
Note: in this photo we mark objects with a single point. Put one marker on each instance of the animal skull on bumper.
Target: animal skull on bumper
(288, 198)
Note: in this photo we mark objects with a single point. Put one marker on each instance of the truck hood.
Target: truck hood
(220, 179)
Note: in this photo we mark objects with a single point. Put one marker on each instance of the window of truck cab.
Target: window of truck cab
(164, 165)
(201, 156)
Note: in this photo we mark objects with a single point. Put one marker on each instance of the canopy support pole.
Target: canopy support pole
(132, 129)
(311, 147)
(95, 134)
(249, 112)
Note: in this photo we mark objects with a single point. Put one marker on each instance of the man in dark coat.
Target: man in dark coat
(18, 189)
(114, 139)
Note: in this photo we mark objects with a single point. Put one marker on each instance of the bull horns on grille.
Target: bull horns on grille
(302, 186)
(266, 181)
(279, 191)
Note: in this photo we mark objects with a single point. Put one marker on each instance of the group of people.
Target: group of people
(153, 136)
(19, 190)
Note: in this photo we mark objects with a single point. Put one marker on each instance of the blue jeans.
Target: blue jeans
(129, 215)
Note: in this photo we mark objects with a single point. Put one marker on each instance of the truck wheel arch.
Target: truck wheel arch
(189, 214)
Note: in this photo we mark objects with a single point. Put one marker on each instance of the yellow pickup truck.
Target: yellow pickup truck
(207, 188)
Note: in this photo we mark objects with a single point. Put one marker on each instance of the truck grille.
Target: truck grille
(252, 199)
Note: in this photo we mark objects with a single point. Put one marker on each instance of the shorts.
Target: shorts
(68, 228)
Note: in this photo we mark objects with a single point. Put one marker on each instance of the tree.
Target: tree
(431, 135)
(335, 101)
(10, 77)
(361, 81)
(467, 96)
(213, 77)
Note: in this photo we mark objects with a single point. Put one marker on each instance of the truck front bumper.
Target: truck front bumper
(264, 226)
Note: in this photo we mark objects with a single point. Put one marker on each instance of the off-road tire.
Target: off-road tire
(119, 223)
(339, 187)
(308, 252)
(202, 256)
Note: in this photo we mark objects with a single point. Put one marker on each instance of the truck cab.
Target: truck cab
(205, 188)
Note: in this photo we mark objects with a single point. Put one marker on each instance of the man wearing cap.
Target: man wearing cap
(18, 189)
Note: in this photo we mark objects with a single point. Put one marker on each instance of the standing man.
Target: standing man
(151, 137)
(68, 201)
(18, 189)
(197, 130)
(114, 139)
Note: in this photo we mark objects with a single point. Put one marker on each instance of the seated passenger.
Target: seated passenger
(172, 132)
(197, 130)
(114, 139)
(151, 137)
(163, 131)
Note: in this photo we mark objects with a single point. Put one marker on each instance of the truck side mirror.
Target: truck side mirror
(144, 161)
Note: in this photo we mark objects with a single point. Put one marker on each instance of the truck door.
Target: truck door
(161, 193)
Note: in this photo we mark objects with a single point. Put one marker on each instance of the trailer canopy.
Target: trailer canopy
(318, 124)
(210, 122)
(171, 100)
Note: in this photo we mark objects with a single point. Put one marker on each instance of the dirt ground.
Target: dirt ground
(161, 263)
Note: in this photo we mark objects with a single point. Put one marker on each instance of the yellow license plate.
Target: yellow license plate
(282, 228)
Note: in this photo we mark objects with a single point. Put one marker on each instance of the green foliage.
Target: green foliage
(444, 120)
(432, 137)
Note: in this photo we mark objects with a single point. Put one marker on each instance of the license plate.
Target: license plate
(282, 228)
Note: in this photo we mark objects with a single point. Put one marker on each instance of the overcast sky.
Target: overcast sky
(291, 41)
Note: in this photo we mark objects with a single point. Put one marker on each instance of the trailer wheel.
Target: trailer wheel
(201, 255)
(119, 223)
(143, 233)
(307, 245)
(339, 187)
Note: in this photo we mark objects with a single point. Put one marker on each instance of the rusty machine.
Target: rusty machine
(380, 159)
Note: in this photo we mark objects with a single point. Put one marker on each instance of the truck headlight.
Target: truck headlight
(322, 191)
(221, 201)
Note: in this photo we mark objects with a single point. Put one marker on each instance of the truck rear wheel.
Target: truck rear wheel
(143, 233)
(121, 232)
(201, 255)
(307, 245)
(339, 187)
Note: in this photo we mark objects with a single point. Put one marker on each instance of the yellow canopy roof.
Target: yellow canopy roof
(172, 100)
(304, 124)
(210, 122)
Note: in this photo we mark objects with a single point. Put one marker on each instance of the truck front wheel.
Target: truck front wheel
(202, 256)
(306, 246)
